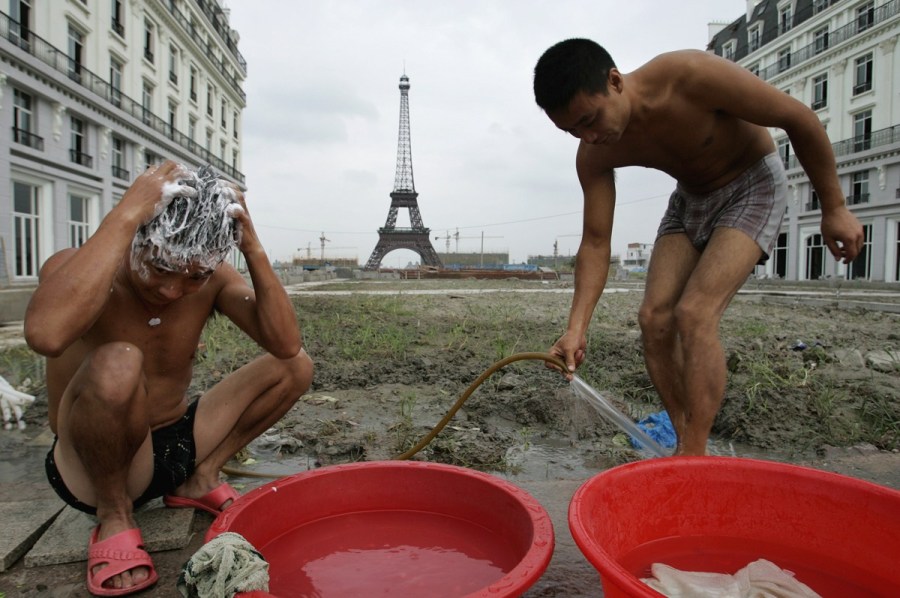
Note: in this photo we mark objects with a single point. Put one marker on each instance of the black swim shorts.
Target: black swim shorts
(174, 454)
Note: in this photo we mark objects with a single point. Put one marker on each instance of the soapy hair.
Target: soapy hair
(196, 230)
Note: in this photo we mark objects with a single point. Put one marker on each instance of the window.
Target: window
(117, 21)
(223, 110)
(76, 51)
(147, 101)
(819, 6)
(209, 99)
(149, 40)
(115, 82)
(861, 267)
(222, 149)
(779, 256)
(209, 136)
(755, 36)
(862, 80)
(234, 159)
(862, 131)
(78, 143)
(234, 124)
(784, 59)
(173, 64)
(897, 256)
(865, 16)
(813, 200)
(150, 159)
(26, 229)
(815, 257)
(192, 128)
(785, 19)
(754, 68)
(118, 159)
(79, 220)
(859, 188)
(728, 49)
(20, 25)
(820, 40)
(820, 92)
(23, 121)
(784, 150)
(172, 122)
(193, 83)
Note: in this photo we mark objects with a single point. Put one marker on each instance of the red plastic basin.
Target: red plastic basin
(839, 535)
(398, 528)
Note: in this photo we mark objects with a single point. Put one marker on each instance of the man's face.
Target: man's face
(597, 119)
(163, 281)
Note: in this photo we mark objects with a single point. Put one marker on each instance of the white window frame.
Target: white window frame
(42, 221)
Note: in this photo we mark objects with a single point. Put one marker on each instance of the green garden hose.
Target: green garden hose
(462, 399)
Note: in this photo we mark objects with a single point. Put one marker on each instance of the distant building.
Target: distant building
(91, 93)
(637, 256)
(841, 58)
(455, 260)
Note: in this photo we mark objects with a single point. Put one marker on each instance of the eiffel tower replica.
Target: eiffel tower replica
(390, 237)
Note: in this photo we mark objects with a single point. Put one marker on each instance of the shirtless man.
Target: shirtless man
(119, 320)
(701, 119)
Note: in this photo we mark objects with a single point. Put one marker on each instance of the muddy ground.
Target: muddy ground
(813, 379)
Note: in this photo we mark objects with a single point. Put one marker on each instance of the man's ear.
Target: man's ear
(615, 80)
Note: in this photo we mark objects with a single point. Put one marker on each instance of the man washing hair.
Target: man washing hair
(119, 320)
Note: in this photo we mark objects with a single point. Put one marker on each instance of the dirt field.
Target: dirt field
(810, 380)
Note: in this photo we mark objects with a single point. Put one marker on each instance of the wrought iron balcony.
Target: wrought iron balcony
(82, 158)
(120, 173)
(28, 138)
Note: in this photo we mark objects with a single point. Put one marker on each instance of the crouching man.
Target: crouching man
(119, 320)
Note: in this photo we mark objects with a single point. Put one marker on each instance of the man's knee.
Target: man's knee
(656, 322)
(297, 374)
(113, 373)
(693, 318)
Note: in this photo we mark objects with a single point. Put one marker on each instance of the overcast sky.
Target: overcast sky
(321, 123)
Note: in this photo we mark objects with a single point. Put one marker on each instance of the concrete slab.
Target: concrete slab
(23, 524)
(66, 540)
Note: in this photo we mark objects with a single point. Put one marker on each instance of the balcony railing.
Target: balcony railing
(81, 158)
(859, 198)
(28, 138)
(118, 27)
(860, 143)
(881, 14)
(59, 61)
(120, 173)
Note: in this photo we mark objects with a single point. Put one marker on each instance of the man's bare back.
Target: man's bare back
(673, 128)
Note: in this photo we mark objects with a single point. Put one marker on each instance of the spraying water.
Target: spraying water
(585, 391)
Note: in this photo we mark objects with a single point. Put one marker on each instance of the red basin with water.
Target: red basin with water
(399, 528)
(839, 535)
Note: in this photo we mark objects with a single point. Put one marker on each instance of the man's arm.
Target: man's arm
(265, 311)
(592, 260)
(75, 283)
(723, 85)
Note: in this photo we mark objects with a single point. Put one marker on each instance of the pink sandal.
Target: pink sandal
(120, 553)
(211, 502)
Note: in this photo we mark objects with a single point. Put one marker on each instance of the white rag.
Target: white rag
(759, 579)
(13, 404)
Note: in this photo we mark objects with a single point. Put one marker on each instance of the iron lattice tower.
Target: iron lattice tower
(415, 238)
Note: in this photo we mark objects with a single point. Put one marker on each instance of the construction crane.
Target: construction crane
(456, 236)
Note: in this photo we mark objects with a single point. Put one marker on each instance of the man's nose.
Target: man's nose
(172, 291)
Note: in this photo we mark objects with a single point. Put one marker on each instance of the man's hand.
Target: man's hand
(843, 234)
(571, 348)
(249, 242)
(155, 189)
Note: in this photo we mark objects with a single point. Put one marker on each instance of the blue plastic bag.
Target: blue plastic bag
(659, 427)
